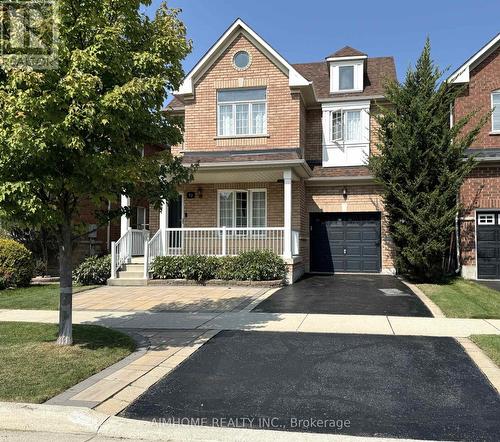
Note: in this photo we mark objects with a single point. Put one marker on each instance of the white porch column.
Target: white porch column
(287, 214)
(124, 222)
(163, 226)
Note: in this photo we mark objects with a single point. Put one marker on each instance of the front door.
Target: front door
(175, 209)
(488, 245)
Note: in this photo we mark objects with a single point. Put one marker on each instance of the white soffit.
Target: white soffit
(239, 26)
(462, 74)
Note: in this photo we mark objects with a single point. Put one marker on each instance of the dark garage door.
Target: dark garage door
(488, 245)
(345, 242)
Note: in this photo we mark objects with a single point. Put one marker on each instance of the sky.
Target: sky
(304, 31)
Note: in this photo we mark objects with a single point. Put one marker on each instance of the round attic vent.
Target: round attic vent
(241, 60)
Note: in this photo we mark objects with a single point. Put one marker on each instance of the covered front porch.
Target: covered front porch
(224, 212)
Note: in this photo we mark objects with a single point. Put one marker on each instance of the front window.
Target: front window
(241, 112)
(346, 125)
(346, 78)
(242, 208)
(495, 117)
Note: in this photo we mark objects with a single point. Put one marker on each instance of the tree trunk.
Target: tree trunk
(66, 291)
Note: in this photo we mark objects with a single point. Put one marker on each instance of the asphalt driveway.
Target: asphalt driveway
(389, 386)
(346, 294)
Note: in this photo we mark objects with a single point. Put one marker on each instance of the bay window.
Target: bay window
(346, 125)
(241, 112)
(242, 208)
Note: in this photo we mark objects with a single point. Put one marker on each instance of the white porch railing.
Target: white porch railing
(207, 241)
(132, 243)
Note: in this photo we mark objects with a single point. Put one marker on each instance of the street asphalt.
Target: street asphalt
(364, 385)
(346, 294)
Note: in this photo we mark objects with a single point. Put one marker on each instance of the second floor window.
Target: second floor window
(495, 116)
(241, 112)
(346, 125)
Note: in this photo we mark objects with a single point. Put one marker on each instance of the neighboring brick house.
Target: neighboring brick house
(282, 153)
(480, 195)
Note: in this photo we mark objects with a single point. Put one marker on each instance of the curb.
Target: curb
(58, 419)
(435, 310)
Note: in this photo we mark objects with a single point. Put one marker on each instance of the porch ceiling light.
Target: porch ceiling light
(344, 192)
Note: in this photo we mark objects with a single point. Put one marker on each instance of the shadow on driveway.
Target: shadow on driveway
(346, 294)
(389, 386)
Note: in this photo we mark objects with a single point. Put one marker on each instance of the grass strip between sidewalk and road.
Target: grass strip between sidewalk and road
(33, 368)
(35, 297)
(490, 344)
(460, 298)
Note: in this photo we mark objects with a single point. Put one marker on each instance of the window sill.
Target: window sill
(346, 91)
(495, 132)
(230, 137)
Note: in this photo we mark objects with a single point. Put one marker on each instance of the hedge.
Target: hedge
(16, 264)
(95, 270)
(258, 265)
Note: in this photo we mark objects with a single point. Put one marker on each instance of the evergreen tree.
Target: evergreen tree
(421, 166)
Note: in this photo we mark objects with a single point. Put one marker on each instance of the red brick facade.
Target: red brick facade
(481, 189)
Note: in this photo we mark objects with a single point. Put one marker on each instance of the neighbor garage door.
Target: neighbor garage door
(488, 245)
(345, 242)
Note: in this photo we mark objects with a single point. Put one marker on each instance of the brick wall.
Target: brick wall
(484, 79)
(283, 107)
(362, 198)
(481, 190)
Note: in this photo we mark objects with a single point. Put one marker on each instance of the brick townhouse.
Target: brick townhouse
(282, 153)
(479, 224)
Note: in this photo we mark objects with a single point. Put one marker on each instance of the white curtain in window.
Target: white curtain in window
(259, 118)
(226, 209)
(242, 119)
(496, 112)
(258, 209)
(352, 122)
(225, 119)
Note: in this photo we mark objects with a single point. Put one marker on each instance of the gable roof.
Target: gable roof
(378, 70)
(462, 74)
(240, 27)
(347, 51)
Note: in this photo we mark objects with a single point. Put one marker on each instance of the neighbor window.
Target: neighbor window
(495, 117)
(242, 208)
(241, 112)
(346, 125)
(346, 78)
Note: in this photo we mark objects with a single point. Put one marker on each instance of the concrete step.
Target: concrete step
(137, 260)
(127, 282)
(132, 268)
(130, 274)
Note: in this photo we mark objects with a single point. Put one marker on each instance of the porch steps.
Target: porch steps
(131, 274)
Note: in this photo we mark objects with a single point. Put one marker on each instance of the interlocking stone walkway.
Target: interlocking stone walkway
(167, 298)
(114, 388)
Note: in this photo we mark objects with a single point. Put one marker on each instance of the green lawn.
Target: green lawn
(461, 298)
(490, 344)
(35, 297)
(34, 369)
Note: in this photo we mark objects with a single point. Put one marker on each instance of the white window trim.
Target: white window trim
(250, 119)
(497, 108)
(249, 192)
(358, 66)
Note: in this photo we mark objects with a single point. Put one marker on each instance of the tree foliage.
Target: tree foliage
(76, 132)
(421, 165)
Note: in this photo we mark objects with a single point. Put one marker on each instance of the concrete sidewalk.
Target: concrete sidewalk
(285, 322)
(32, 422)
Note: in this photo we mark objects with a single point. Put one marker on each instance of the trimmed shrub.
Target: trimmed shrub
(167, 267)
(95, 270)
(16, 263)
(248, 266)
(199, 268)
(259, 265)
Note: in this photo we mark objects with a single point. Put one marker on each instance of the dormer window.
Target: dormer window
(346, 77)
